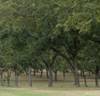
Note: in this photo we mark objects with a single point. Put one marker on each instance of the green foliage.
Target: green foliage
(34, 31)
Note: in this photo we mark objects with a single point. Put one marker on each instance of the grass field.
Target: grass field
(33, 92)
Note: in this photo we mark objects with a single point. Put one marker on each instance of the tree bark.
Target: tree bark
(64, 75)
(47, 73)
(76, 77)
(41, 73)
(55, 72)
(89, 73)
(16, 79)
(30, 77)
(34, 72)
(1, 75)
(8, 78)
(97, 76)
(84, 77)
(50, 79)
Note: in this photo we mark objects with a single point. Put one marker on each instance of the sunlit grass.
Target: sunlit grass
(32, 92)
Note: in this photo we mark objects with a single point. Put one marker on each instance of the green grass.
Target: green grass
(58, 89)
(32, 92)
(20, 92)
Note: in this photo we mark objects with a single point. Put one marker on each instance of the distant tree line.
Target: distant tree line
(51, 35)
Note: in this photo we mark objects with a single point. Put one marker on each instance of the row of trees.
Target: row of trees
(55, 35)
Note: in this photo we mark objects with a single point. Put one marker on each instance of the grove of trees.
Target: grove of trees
(52, 35)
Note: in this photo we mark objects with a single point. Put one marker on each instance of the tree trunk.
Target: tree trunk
(30, 77)
(55, 72)
(47, 73)
(16, 79)
(76, 77)
(34, 72)
(97, 76)
(64, 75)
(84, 77)
(81, 74)
(50, 79)
(41, 74)
(1, 75)
(89, 73)
(8, 78)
